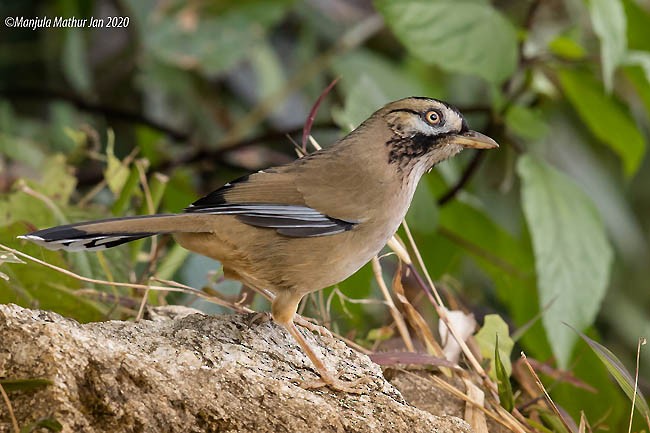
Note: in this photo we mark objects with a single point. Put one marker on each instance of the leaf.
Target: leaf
(50, 424)
(7, 257)
(638, 21)
(35, 286)
(422, 215)
(640, 58)
(508, 261)
(488, 337)
(57, 180)
(506, 398)
(608, 19)
(605, 116)
(116, 173)
(567, 48)
(637, 76)
(364, 98)
(526, 122)
(75, 63)
(210, 38)
(11, 385)
(394, 80)
(572, 254)
(619, 372)
(456, 36)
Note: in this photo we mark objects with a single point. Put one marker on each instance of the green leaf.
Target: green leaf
(394, 80)
(640, 58)
(173, 260)
(506, 398)
(210, 38)
(619, 372)
(608, 18)
(422, 215)
(638, 78)
(456, 36)
(508, 261)
(268, 70)
(572, 254)
(75, 63)
(488, 337)
(364, 98)
(638, 22)
(605, 116)
(50, 424)
(116, 173)
(128, 190)
(11, 385)
(567, 48)
(526, 122)
(35, 286)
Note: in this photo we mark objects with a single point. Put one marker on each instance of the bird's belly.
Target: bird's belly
(274, 262)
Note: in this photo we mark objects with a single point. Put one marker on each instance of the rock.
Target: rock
(190, 372)
(423, 394)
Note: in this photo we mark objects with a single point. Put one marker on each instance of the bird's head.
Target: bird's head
(427, 131)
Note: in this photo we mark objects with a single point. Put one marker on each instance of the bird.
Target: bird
(290, 230)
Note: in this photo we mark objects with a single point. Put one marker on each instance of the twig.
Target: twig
(77, 101)
(183, 289)
(344, 298)
(14, 421)
(642, 342)
(418, 256)
(481, 252)
(459, 394)
(354, 37)
(143, 303)
(397, 317)
(416, 320)
(548, 397)
(439, 306)
(306, 131)
(469, 171)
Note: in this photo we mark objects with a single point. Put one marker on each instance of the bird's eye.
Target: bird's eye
(433, 117)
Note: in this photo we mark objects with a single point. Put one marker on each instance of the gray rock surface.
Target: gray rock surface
(185, 372)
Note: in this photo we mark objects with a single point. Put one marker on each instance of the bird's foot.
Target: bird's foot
(259, 318)
(352, 387)
(313, 327)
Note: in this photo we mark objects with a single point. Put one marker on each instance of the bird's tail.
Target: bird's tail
(108, 233)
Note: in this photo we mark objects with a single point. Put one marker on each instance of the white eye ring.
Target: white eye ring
(433, 117)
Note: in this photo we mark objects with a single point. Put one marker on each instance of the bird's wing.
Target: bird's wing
(270, 199)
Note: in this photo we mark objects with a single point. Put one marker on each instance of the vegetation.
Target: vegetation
(541, 240)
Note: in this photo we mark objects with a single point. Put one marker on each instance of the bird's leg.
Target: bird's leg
(298, 319)
(261, 317)
(284, 309)
(311, 326)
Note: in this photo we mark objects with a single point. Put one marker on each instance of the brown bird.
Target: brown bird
(294, 229)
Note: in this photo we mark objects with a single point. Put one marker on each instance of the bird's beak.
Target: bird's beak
(474, 140)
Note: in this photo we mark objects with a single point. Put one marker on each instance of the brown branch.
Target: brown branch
(82, 104)
(469, 171)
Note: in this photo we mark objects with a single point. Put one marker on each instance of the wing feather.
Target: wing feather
(270, 200)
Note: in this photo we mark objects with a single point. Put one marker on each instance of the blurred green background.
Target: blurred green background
(551, 228)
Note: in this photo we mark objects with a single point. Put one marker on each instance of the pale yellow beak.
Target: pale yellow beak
(474, 140)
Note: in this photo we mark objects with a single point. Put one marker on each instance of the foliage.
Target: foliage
(551, 228)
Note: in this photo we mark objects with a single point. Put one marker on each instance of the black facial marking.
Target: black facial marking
(404, 150)
(464, 127)
(408, 110)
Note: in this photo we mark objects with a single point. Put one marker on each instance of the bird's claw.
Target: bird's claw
(313, 327)
(259, 318)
